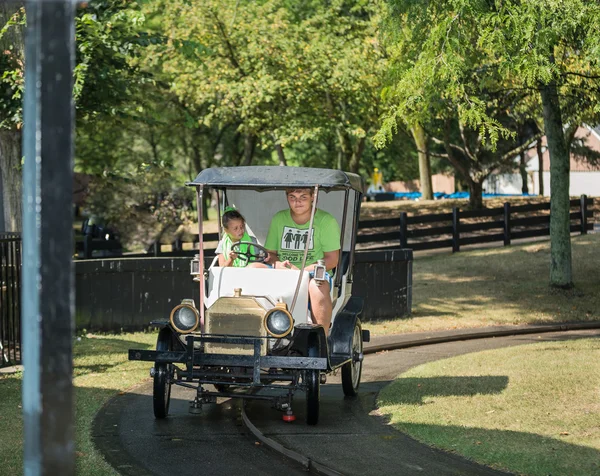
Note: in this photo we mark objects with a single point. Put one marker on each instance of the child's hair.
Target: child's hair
(231, 214)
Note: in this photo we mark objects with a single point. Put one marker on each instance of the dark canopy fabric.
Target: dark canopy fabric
(274, 177)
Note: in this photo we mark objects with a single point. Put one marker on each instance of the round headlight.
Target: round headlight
(185, 318)
(278, 322)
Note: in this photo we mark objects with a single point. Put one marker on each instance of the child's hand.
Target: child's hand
(285, 265)
(232, 255)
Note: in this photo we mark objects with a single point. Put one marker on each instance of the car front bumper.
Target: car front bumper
(194, 358)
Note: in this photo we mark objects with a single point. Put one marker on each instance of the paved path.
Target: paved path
(348, 438)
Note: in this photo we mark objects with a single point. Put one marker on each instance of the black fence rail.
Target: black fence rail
(469, 227)
(182, 246)
(10, 299)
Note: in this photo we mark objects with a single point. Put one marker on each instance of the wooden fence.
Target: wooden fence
(434, 231)
(469, 227)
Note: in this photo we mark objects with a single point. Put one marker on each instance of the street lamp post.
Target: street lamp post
(47, 279)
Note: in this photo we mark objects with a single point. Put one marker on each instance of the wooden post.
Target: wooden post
(176, 245)
(506, 224)
(455, 229)
(403, 230)
(87, 246)
(583, 201)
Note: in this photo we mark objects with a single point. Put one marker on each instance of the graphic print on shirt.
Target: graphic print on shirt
(294, 239)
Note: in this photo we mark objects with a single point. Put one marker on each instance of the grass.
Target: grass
(499, 286)
(531, 409)
(101, 370)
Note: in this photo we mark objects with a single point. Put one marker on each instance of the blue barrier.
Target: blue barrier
(385, 196)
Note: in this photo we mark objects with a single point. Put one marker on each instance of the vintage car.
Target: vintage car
(250, 335)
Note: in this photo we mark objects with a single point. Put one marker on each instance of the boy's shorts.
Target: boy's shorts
(327, 276)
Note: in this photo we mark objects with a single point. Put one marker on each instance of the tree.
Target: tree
(106, 37)
(277, 73)
(553, 49)
(12, 18)
(542, 48)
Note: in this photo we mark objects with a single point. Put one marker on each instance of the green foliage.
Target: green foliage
(107, 38)
(11, 70)
(141, 205)
(275, 72)
(454, 56)
(470, 73)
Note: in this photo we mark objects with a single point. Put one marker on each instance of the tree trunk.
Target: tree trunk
(249, 145)
(12, 180)
(560, 235)
(340, 160)
(523, 172)
(357, 152)
(12, 42)
(280, 155)
(345, 154)
(206, 204)
(475, 194)
(424, 162)
(540, 154)
(197, 157)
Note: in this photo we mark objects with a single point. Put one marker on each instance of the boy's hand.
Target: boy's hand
(285, 265)
(233, 255)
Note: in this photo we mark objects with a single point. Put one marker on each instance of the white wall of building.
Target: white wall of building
(581, 183)
(506, 183)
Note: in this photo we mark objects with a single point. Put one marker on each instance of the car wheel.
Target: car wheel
(162, 390)
(161, 396)
(313, 395)
(351, 370)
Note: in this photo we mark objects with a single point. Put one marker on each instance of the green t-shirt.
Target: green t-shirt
(289, 239)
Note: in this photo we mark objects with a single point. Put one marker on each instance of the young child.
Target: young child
(234, 226)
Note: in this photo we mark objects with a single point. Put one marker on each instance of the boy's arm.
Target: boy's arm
(271, 244)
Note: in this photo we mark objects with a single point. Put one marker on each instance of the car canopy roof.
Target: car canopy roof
(277, 177)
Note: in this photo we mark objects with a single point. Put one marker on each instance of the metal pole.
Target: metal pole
(202, 281)
(47, 302)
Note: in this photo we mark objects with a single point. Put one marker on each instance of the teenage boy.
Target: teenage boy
(286, 241)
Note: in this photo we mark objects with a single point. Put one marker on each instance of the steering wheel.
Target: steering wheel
(254, 253)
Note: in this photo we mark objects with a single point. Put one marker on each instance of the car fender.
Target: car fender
(340, 337)
(310, 341)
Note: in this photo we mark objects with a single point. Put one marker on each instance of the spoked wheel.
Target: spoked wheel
(161, 396)
(312, 380)
(351, 370)
(313, 395)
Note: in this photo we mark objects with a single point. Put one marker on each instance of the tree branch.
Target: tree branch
(581, 75)
(228, 44)
(523, 147)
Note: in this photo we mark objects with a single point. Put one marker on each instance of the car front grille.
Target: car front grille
(235, 317)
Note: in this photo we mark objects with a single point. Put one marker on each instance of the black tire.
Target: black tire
(351, 371)
(313, 396)
(161, 396)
